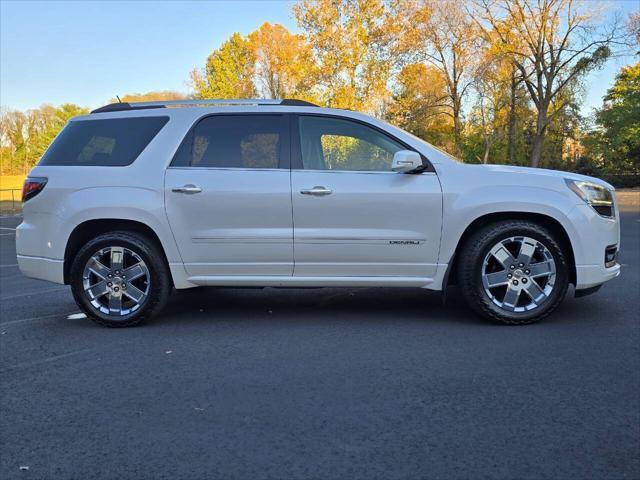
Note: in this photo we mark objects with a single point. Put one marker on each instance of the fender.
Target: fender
(461, 210)
(113, 203)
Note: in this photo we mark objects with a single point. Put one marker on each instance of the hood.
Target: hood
(547, 173)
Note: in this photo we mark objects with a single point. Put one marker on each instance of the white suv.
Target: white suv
(133, 200)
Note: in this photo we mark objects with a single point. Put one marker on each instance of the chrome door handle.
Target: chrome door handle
(318, 191)
(190, 189)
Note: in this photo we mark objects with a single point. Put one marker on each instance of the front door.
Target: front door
(352, 215)
(228, 196)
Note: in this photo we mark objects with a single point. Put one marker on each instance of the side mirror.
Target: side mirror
(406, 161)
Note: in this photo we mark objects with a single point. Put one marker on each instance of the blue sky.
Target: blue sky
(88, 52)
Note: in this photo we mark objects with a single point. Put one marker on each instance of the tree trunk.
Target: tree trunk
(538, 139)
(536, 150)
(485, 157)
(511, 146)
(456, 126)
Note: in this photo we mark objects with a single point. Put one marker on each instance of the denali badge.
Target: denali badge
(404, 242)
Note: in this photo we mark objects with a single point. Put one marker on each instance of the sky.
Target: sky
(88, 52)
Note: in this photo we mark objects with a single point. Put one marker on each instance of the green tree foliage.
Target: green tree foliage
(270, 62)
(228, 72)
(616, 143)
(25, 136)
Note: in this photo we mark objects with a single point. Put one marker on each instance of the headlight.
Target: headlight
(600, 198)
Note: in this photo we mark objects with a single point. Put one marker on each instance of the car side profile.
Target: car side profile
(136, 199)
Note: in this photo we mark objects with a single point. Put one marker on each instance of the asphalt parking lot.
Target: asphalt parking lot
(326, 383)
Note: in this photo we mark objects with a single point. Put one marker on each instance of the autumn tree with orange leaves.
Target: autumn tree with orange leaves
(491, 81)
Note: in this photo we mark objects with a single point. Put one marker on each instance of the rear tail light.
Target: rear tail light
(32, 187)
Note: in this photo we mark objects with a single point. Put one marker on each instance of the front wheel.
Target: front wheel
(513, 272)
(120, 279)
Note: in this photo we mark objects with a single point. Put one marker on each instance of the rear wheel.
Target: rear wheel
(513, 272)
(120, 279)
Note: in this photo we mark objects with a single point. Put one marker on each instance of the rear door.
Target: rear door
(352, 215)
(228, 196)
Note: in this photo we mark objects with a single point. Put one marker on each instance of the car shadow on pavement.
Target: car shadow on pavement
(317, 305)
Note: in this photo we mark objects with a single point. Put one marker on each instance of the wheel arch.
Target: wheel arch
(89, 229)
(545, 220)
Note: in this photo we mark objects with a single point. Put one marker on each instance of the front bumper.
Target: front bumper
(593, 234)
(588, 276)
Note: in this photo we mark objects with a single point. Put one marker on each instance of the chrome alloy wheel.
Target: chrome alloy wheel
(518, 274)
(116, 281)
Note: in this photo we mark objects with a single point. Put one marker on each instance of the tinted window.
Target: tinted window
(235, 141)
(335, 144)
(109, 143)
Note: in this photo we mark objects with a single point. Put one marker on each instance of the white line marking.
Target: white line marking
(76, 316)
(7, 228)
(10, 297)
(23, 320)
(9, 265)
(5, 234)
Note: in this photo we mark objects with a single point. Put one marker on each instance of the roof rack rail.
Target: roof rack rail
(123, 106)
(293, 102)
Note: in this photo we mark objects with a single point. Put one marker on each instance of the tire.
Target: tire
(127, 301)
(483, 267)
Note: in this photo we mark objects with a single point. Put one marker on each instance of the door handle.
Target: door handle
(190, 189)
(317, 191)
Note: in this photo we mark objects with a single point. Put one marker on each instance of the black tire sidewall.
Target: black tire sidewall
(158, 273)
(481, 244)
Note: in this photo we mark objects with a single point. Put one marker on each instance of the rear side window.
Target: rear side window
(103, 143)
(236, 141)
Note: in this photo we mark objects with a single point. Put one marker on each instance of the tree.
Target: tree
(350, 40)
(441, 33)
(50, 121)
(419, 104)
(553, 45)
(13, 133)
(284, 63)
(634, 27)
(617, 142)
(26, 135)
(514, 94)
(162, 95)
(563, 137)
(228, 73)
(492, 101)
